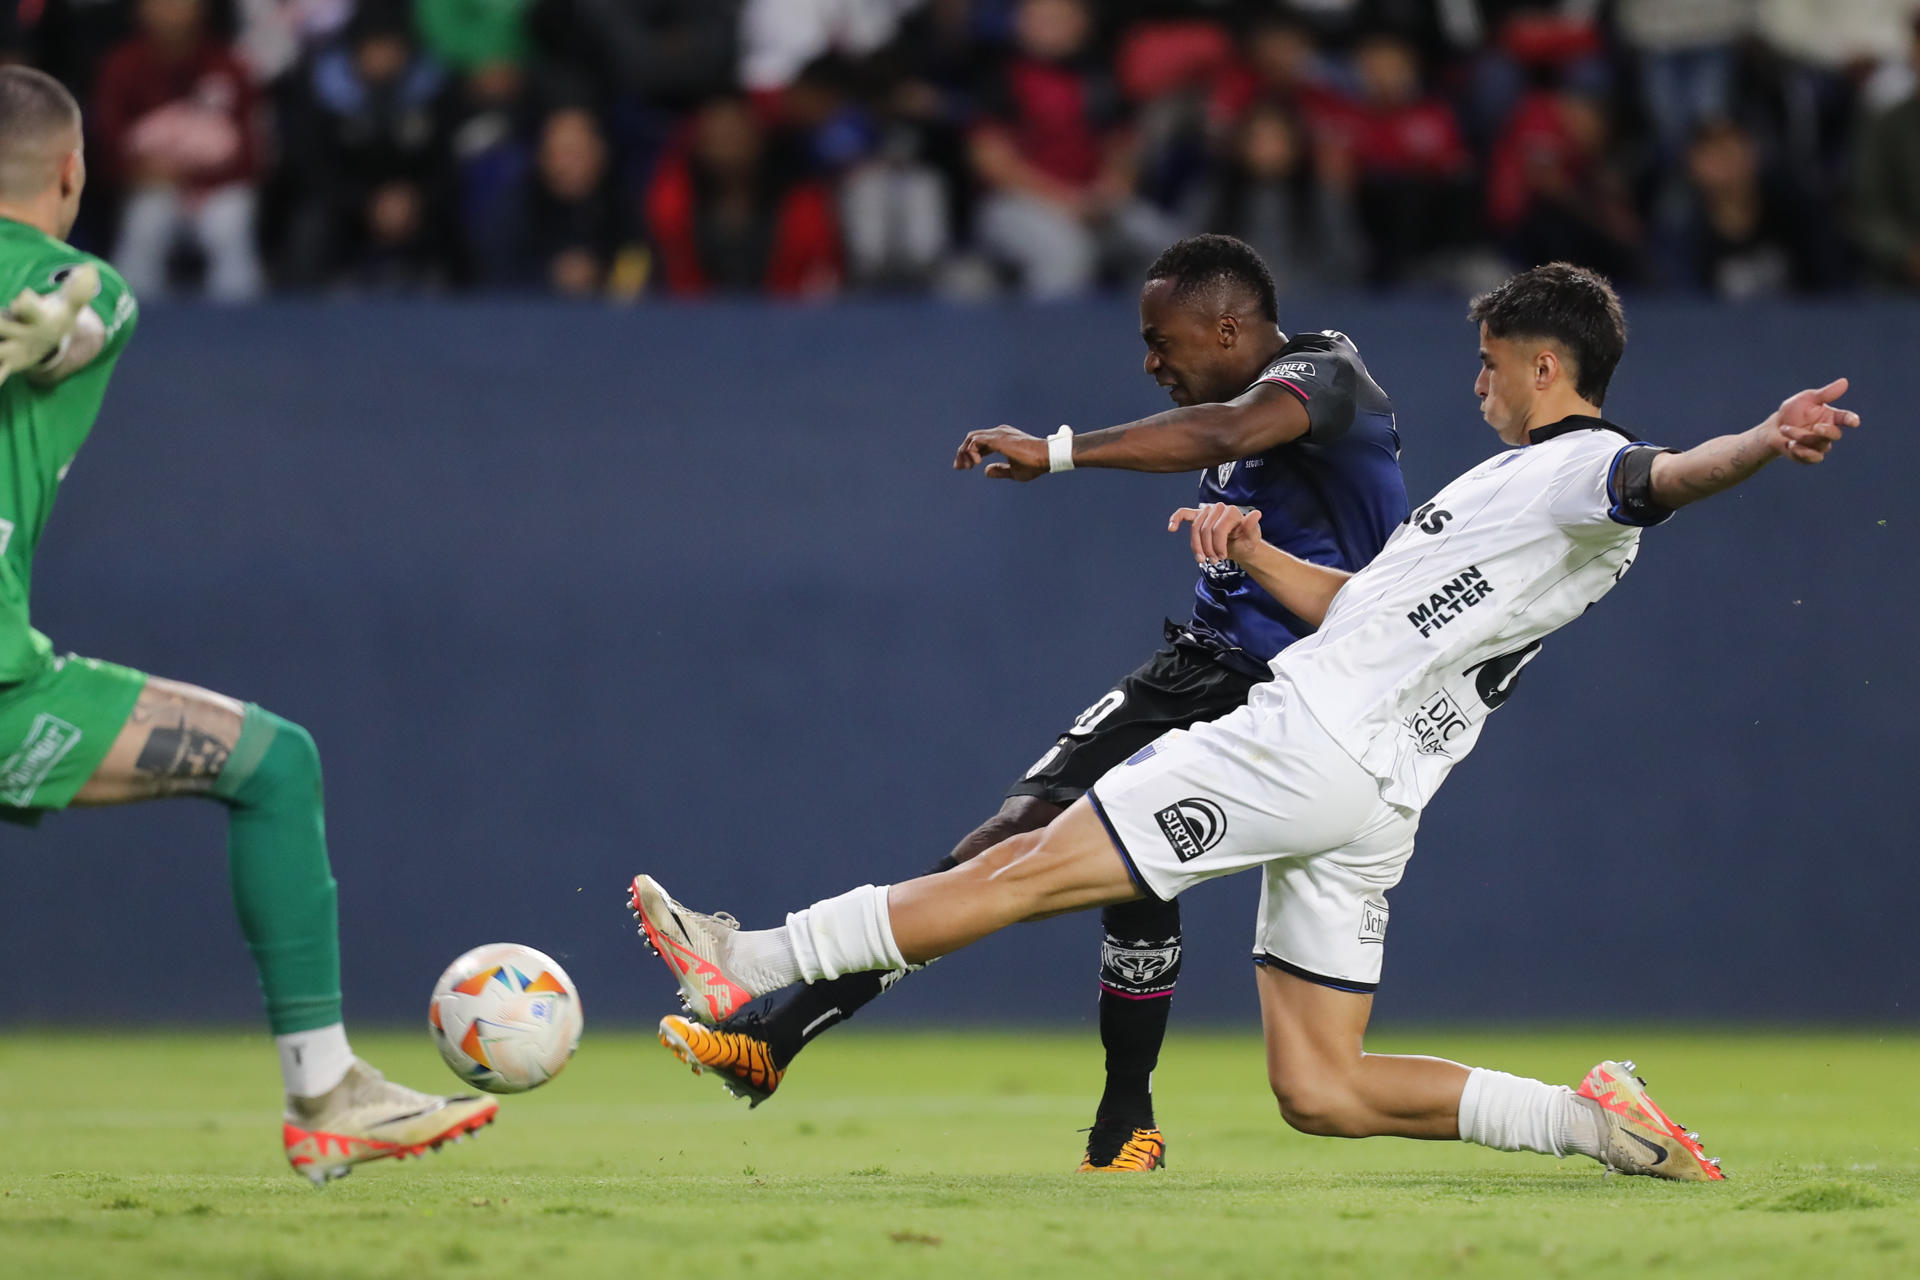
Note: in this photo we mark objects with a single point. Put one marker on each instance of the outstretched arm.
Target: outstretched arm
(1183, 439)
(1803, 428)
(1222, 531)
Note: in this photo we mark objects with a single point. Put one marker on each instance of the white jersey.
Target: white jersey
(1420, 645)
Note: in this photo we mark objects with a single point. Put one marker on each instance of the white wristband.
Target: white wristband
(1060, 449)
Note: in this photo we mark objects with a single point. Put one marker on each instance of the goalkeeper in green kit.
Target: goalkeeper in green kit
(78, 731)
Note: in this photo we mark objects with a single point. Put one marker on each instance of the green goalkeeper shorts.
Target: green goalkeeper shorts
(56, 726)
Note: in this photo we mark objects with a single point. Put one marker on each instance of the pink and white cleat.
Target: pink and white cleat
(1640, 1137)
(695, 948)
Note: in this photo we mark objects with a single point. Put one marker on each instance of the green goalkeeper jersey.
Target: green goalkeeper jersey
(43, 427)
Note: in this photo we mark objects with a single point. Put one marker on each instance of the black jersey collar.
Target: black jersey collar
(1578, 422)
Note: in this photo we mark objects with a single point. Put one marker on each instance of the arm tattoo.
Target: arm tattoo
(182, 751)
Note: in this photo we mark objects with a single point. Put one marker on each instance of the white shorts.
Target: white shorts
(1264, 786)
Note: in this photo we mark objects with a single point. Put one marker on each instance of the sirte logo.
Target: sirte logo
(1192, 827)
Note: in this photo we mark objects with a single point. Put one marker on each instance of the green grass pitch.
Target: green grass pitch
(138, 1156)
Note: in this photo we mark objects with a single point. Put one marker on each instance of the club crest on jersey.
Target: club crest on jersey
(1192, 827)
(1223, 473)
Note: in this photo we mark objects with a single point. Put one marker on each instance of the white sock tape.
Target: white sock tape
(1060, 449)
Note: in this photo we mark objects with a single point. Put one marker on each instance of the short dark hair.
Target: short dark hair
(1564, 304)
(1201, 261)
(35, 109)
(33, 103)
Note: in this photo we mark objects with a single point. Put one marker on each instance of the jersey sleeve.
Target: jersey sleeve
(115, 304)
(1603, 485)
(1326, 382)
(117, 309)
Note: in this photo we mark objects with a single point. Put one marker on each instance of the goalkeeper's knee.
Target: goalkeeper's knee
(275, 763)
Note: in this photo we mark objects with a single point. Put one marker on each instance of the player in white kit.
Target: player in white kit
(1321, 778)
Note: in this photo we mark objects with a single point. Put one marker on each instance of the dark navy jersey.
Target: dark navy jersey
(1332, 496)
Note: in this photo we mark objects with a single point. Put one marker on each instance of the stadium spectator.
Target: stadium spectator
(1886, 190)
(1295, 211)
(1415, 196)
(1057, 162)
(461, 35)
(1826, 51)
(1557, 193)
(1683, 51)
(1280, 63)
(1745, 234)
(371, 143)
(862, 133)
(490, 153)
(955, 145)
(176, 122)
(668, 55)
(779, 37)
(273, 36)
(728, 215)
(566, 230)
(1512, 46)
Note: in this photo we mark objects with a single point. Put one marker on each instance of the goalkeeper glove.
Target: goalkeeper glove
(36, 329)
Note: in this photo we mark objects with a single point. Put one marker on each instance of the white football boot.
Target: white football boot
(695, 947)
(368, 1117)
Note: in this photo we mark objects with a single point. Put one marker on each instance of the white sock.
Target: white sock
(313, 1062)
(848, 934)
(763, 959)
(1513, 1113)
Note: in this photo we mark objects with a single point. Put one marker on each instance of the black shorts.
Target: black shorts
(1182, 684)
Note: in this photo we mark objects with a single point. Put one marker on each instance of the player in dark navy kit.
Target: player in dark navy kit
(1292, 426)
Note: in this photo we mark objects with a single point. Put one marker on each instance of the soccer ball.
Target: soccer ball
(505, 1017)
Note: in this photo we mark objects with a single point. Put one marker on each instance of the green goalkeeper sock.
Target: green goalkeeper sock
(283, 888)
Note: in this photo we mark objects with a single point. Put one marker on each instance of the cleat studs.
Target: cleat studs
(1627, 1064)
(1692, 1136)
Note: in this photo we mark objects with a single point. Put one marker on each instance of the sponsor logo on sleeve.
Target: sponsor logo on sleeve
(1040, 765)
(1438, 722)
(1449, 600)
(47, 744)
(1291, 369)
(1192, 827)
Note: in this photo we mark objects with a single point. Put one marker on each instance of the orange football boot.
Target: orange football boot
(742, 1063)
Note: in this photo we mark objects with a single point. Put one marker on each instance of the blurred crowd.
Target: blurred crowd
(969, 148)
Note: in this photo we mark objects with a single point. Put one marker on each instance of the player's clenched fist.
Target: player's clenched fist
(1026, 456)
(36, 327)
(1221, 531)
